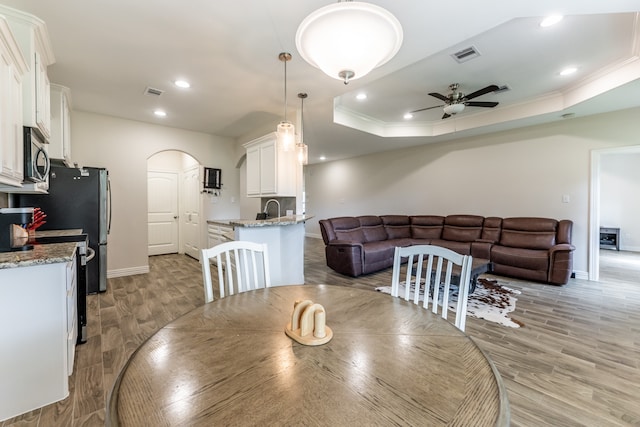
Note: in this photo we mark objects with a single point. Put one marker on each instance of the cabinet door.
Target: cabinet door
(43, 98)
(11, 147)
(268, 168)
(253, 171)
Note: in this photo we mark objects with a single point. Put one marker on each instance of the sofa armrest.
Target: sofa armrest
(345, 257)
(562, 247)
(560, 263)
(481, 248)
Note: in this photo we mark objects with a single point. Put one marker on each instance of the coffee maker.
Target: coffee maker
(13, 233)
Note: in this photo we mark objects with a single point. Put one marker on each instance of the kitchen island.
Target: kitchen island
(38, 298)
(285, 238)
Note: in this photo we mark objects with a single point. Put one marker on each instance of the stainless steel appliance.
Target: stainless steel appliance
(36, 160)
(78, 198)
(84, 254)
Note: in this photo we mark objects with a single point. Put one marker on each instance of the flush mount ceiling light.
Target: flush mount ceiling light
(285, 132)
(160, 113)
(302, 150)
(182, 83)
(348, 39)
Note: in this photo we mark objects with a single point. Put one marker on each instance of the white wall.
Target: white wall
(123, 147)
(522, 172)
(620, 197)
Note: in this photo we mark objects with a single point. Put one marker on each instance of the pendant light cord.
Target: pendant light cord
(285, 57)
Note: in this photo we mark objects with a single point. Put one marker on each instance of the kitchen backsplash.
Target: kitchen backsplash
(4, 200)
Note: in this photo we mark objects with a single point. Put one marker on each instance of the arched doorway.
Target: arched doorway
(173, 203)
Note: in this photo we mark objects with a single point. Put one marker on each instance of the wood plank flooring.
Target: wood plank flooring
(576, 362)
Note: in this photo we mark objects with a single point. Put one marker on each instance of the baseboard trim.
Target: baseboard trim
(582, 275)
(315, 236)
(131, 271)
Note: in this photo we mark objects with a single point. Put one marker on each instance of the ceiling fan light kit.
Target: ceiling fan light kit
(456, 101)
(347, 40)
(285, 131)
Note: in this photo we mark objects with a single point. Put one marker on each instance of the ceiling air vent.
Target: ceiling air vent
(467, 54)
(151, 91)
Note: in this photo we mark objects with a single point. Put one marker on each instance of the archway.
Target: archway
(174, 204)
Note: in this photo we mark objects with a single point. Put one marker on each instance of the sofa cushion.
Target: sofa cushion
(463, 248)
(426, 226)
(491, 229)
(528, 233)
(372, 228)
(462, 228)
(529, 259)
(397, 226)
(347, 228)
(378, 251)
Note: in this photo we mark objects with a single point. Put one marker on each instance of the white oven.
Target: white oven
(36, 159)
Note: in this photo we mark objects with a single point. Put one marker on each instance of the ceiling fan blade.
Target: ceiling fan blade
(490, 88)
(445, 115)
(440, 97)
(481, 104)
(425, 109)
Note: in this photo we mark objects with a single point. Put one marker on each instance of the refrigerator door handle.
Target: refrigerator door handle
(109, 194)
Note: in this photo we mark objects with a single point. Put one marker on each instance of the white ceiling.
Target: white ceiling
(109, 52)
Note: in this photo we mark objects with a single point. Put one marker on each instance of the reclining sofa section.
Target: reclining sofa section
(537, 249)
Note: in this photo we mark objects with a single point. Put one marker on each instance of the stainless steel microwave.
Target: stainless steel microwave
(36, 159)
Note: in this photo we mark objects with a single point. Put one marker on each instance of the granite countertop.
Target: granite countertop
(280, 221)
(51, 253)
(58, 233)
(222, 221)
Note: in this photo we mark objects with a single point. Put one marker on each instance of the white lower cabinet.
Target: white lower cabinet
(218, 233)
(38, 335)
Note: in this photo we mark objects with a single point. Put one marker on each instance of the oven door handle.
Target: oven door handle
(90, 254)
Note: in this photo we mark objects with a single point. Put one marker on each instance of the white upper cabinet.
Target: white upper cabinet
(60, 142)
(12, 69)
(270, 170)
(33, 38)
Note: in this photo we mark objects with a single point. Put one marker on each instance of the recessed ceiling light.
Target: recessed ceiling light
(323, 158)
(361, 96)
(182, 83)
(568, 71)
(551, 20)
(160, 113)
(408, 116)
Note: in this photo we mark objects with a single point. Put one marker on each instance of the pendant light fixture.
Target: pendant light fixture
(285, 132)
(348, 39)
(302, 150)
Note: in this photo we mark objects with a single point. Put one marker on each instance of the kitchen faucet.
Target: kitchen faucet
(267, 204)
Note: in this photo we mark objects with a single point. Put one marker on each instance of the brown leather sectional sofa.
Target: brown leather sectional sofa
(537, 249)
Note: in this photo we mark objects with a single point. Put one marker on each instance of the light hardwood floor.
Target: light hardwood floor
(576, 362)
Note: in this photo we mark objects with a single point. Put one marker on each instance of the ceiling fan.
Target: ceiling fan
(455, 102)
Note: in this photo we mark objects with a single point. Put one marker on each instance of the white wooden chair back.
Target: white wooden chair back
(434, 267)
(242, 266)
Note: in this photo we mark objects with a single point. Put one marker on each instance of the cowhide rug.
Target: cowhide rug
(490, 301)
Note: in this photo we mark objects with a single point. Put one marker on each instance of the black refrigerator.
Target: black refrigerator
(79, 198)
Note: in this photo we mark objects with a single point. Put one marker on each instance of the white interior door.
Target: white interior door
(162, 218)
(191, 215)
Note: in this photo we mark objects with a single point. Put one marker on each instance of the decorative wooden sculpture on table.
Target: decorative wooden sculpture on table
(308, 324)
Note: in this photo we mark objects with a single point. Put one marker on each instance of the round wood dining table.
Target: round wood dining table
(229, 362)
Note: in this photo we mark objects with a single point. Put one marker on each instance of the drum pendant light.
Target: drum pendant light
(302, 150)
(348, 39)
(285, 131)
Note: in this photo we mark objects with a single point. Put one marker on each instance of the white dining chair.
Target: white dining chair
(242, 266)
(429, 271)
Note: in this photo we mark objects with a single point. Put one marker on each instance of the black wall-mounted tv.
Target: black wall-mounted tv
(212, 178)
